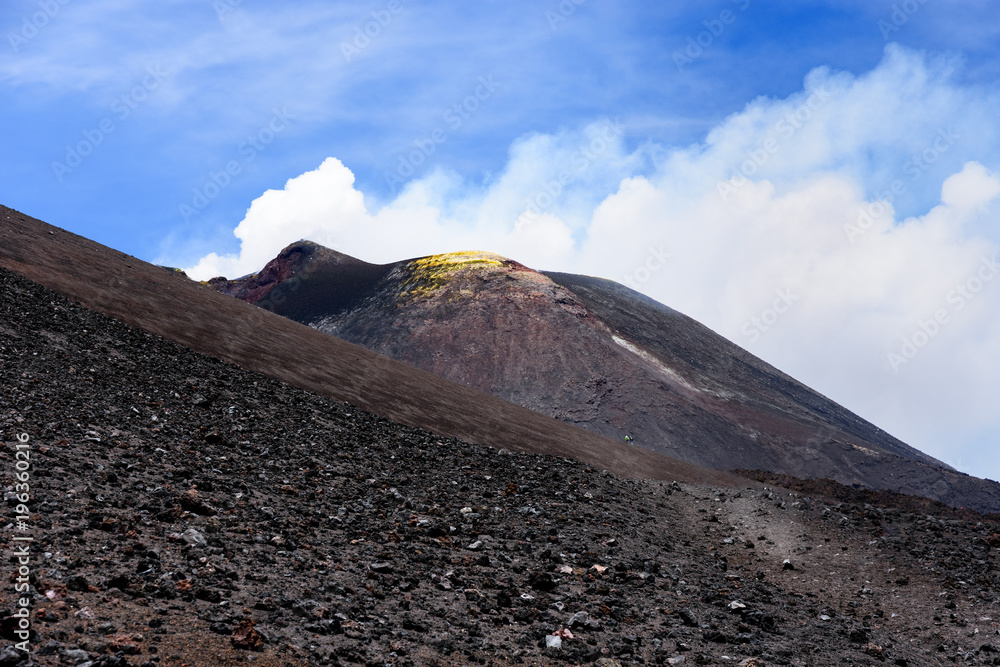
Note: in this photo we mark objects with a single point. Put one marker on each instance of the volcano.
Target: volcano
(213, 484)
(598, 355)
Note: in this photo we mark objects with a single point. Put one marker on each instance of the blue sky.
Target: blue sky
(577, 135)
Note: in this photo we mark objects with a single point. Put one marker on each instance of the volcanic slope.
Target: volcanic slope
(186, 511)
(166, 303)
(598, 355)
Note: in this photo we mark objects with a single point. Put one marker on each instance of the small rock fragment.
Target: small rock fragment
(860, 636)
(246, 637)
(78, 583)
(688, 618)
(215, 438)
(541, 581)
(582, 619)
(10, 656)
(127, 644)
(194, 538)
(874, 650)
(76, 655)
(191, 502)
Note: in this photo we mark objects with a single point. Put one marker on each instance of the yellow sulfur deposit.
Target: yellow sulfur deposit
(429, 274)
(452, 261)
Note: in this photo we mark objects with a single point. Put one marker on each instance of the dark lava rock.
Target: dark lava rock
(78, 583)
(688, 618)
(221, 628)
(10, 656)
(541, 581)
(203, 402)
(860, 636)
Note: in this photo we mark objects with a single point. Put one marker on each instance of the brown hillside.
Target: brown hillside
(168, 304)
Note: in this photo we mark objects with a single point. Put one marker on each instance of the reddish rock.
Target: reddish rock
(128, 644)
(246, 637)
(190, 501)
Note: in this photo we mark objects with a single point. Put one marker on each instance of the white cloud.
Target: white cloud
(319, 205)
(826, 232)
(971, 189)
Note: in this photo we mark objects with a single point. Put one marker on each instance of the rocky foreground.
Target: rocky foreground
(185, 511)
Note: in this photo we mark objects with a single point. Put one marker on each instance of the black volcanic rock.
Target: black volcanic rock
(596, 354)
